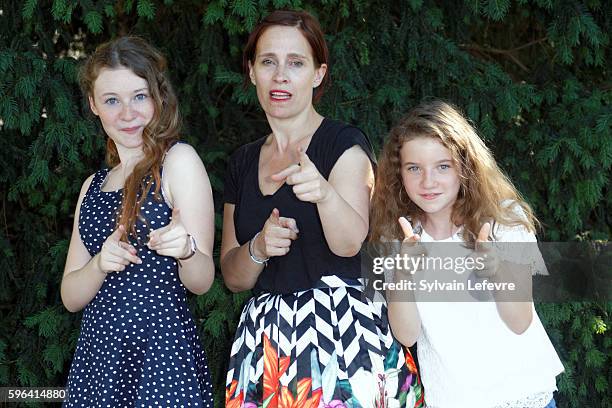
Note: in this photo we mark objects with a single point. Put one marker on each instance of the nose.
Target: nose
(428, 179)
(280, 74)
(127, 113)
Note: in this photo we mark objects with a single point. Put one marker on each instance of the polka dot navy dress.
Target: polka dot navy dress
(138, 345)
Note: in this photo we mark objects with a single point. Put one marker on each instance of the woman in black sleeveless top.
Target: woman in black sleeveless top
(295, 216)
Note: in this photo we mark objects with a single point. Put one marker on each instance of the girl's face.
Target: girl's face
(429, 175)
(122, 101)
(284, 72)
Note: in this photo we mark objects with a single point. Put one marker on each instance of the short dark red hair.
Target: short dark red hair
(310, 29)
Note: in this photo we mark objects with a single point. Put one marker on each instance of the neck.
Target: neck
(439, 225)
(128, 159)
(287, 132)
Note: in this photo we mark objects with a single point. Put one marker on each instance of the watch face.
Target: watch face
(194, 247)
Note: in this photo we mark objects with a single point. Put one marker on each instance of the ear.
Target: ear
(252, 73)
(92, 105)
(319, 75)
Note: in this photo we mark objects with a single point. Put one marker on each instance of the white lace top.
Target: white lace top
(469, 358)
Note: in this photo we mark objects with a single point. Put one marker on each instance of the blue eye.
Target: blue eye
(445, 166)
(141, 97)
(297, 63)
(413, 169)
(267, 62)
(111, 101)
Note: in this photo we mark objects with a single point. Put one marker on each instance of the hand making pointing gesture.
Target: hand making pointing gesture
(276, 236)
(308, 184)
(171, 240)
(115, 254)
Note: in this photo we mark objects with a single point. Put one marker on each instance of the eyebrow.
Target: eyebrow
(291, 55)
(134, 91)
(438, 162)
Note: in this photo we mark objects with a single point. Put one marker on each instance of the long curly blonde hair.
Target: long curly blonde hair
(485, 191)
(148, 63)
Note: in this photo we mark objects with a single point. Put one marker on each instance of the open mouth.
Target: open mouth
(279, 95)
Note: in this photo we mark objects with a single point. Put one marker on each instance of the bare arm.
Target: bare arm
(239, 271)
(403, 314)
(186, 182)
(83, 274)
(517, 315)
(342, 201)
(345, 213)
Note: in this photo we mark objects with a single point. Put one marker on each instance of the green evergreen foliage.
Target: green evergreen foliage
(533, 76)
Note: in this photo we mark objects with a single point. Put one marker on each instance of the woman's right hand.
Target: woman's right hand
(275, 237)
(115, 254)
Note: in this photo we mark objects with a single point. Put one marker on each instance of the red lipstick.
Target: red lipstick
(279, 95)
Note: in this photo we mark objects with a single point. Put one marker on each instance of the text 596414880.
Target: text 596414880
(32, 394)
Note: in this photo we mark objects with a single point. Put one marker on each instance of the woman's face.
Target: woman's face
(284, 72)
(122, 101)
(429, 175)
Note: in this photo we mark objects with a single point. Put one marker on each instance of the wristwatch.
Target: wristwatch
(193, 245)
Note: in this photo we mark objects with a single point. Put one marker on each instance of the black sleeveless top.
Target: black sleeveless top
(309, 257)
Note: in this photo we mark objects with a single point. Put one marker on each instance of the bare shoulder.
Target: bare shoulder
(353, 158)
(182, 159)
(355, 151)
(86, 185)
(83, 191)
(181, 152)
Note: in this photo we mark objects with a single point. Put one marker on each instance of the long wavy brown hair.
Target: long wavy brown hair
(148, 63)
(485, 194)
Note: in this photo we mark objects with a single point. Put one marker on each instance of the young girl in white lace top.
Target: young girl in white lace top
(436, 172)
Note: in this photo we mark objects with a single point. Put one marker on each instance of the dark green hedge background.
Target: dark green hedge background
(534, 76)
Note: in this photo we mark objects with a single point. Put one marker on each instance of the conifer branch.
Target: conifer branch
(508, 53)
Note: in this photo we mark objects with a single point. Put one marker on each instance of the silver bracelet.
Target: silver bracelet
(253, 257)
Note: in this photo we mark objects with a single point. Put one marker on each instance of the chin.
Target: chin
(283, 112)
(430, 208)
(130, 144)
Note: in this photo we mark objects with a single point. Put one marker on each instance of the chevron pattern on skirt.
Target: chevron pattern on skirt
(328, 346)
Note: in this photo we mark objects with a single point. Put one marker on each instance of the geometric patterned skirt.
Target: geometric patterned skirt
(323, 347)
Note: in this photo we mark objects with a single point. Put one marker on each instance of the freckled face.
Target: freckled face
(429, 175)
(122, 101)
(284, 72)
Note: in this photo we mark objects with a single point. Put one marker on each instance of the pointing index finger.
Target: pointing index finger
(275, 216)
(283, 174)
(304, 159)
(117, 234)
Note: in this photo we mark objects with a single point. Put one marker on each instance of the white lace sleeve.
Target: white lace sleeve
(518, 245)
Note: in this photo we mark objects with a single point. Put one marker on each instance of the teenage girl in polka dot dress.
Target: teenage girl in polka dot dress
(133, 253)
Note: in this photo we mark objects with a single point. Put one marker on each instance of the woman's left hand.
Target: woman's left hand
(308, 184)
(171, 240)
(485, 254)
